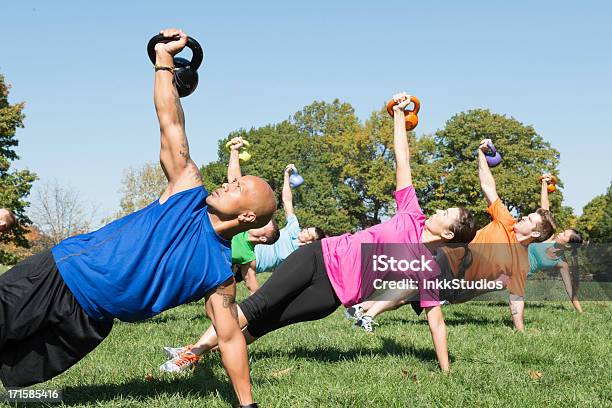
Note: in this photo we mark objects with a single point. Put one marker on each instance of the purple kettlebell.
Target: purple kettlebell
(493, 156)
(295, 179)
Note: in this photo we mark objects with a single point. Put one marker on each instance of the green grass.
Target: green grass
(327, 364)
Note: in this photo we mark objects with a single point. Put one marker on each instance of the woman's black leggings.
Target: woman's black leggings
(298, 291)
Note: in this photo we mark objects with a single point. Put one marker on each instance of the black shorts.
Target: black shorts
(237, 272)
(299, 290)
(43, 330)
(446, 274)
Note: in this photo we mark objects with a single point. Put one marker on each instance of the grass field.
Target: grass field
(327, 364)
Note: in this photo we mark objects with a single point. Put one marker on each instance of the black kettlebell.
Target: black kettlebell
(185, 72)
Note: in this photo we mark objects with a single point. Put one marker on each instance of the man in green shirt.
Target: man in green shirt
(243, 244)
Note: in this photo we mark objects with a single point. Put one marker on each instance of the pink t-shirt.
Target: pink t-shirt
(342, 254)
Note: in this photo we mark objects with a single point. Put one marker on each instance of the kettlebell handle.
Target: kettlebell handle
(413, 99)
(196, 49)
(492, 150)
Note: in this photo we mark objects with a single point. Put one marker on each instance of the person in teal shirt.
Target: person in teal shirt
(549, 254)
(543, 256)
(268, 257)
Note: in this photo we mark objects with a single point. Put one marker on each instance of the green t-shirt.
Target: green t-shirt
(243, 251)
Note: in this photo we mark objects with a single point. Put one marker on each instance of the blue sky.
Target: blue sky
(82, 69)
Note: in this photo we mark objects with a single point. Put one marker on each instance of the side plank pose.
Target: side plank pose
(498, 251)
(292, 235)
(244, 243)
(264, 258)
(248, 254)
(494, 258)
(550, 253)
(317, 278)
(268, 257)
(57, 306)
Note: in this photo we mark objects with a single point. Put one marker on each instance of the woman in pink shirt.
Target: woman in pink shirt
(316, 279)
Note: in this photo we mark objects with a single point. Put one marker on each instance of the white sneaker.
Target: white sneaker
(184, 362)
(354, 312)
(174, 352)
(366, 323)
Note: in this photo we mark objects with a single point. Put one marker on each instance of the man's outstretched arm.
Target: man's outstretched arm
(181, 172)
(287, 194)
(223, 312)
(435, 319)
(249, 274)
(517, 309)
(544, 203)
(233, 167)
(403, 174)
(487, 182)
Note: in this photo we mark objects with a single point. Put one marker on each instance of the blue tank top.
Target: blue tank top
(152, 260)
(539, 258)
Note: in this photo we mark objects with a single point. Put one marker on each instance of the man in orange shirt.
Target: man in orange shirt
(499, 250)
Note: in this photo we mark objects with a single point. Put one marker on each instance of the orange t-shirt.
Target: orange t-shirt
(490, 258)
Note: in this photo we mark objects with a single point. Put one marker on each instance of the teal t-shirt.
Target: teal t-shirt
(540, 257)
(270, 256)
(242, 249)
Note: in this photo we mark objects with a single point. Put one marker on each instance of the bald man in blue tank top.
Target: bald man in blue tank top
(57, 306)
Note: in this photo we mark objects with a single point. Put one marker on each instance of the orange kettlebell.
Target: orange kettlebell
(552, 184)
(412, 120)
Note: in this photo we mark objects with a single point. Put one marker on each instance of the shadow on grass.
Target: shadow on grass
(328, 354)
(462, 318)
(170, 317)
(556, 305)
(202, 384)
(455, 318)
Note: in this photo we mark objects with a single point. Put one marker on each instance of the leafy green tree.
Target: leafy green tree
(140, 187)
(596, 218)
(565, 218)
(455, 180)
(272, 148)
(15, 185)
(349, 167)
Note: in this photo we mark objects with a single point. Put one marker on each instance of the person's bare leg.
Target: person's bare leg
(209, 342)
(392, 300)
(366, 305)
(383, 306)
(570, 286)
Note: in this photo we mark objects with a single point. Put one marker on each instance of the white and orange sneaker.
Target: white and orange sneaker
(184, 359)
(174, 352)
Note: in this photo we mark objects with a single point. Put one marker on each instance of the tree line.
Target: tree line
(348, 167)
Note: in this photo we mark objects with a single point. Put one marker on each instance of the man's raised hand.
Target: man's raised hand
(236, 143)
(484, 145)
(172, 47)
(402, 100)
(289, 169)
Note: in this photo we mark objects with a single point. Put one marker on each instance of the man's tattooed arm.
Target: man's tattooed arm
(229, 302)
(228, 292)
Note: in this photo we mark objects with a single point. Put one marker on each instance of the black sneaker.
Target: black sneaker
(354, 312)
(366, 323)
